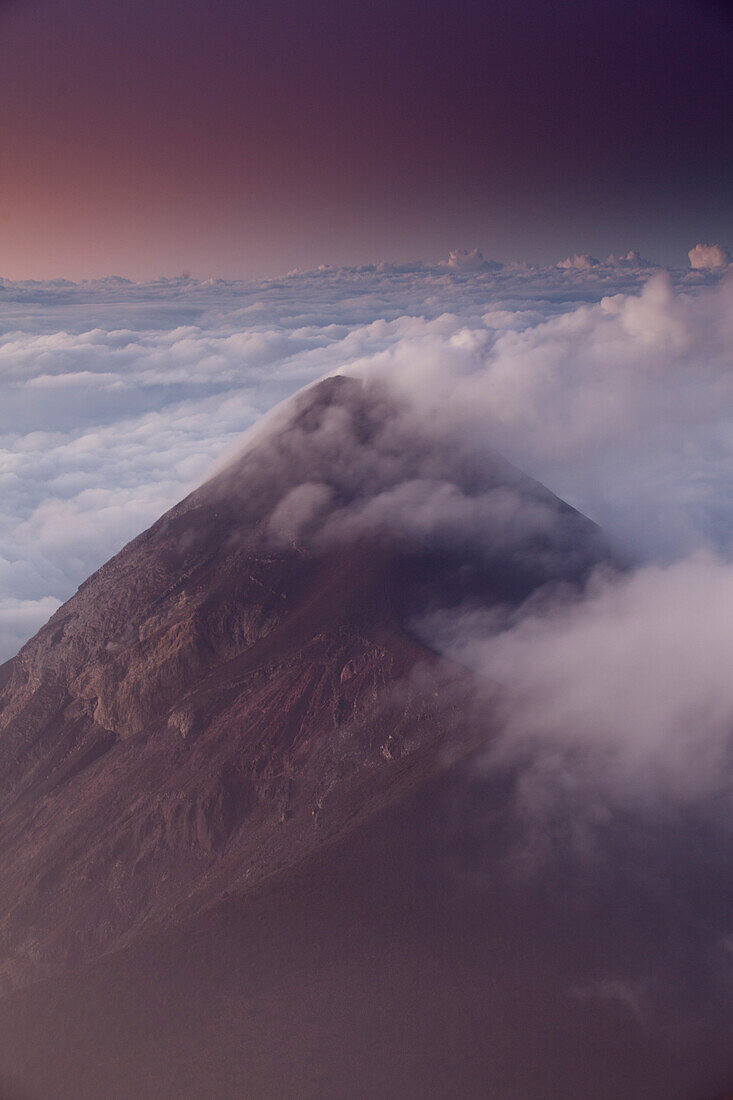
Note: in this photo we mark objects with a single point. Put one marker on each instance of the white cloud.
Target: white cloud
(704, 256)
(465, 259)
(621, 698)
(582, 262)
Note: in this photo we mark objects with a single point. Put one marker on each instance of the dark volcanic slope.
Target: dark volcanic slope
(220, 697)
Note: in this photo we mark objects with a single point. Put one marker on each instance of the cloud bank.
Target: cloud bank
(621, 699)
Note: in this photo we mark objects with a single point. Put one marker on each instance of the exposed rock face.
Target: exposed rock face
(221, 697)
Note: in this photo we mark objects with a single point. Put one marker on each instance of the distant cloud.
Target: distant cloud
(471, 260)
(630, 259)
(708, 256)
(579, 262)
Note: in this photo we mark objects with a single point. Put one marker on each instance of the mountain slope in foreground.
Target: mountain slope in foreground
(244, 849)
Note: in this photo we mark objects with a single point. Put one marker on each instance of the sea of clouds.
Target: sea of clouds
(610, 383)
(116, 398)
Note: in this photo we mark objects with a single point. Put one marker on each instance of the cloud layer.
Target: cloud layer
(117, 398)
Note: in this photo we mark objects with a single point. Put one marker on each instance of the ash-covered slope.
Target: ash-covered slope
(242, 682)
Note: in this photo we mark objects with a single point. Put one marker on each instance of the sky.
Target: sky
(245, 139)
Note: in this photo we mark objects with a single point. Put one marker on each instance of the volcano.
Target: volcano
(247, 849)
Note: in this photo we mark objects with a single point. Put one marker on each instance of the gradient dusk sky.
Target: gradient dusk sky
(248, 137)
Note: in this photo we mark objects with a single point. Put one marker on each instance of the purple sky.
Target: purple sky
(245, 137)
